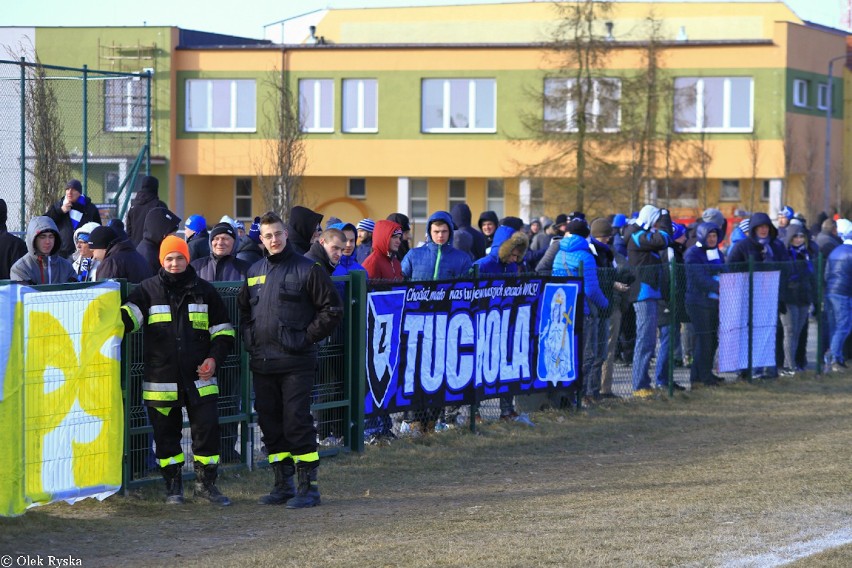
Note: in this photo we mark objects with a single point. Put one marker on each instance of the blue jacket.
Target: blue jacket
(346, 265)
(702, 273)
(750, 247)
(799, 287)
(838, 270)
(436, 262)
(506, 239)
(574, 251)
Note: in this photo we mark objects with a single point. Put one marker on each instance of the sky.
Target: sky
(219, 15)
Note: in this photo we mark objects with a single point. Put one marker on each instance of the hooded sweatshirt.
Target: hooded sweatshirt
(35, 268)
(82, 212)
(436, 262)
(799, 288)
(488, 216)
(11, 247)
(769, 249)
(574, 252)
(347, 263)
(506, 239)
(145, 200)
(703, 264)
(462, 218)
(301, 227)
(159, 223)
(382, 264)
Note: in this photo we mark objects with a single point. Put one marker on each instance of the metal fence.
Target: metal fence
(99, 123)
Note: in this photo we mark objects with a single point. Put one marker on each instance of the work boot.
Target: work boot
(205, 484)
(307, 493)
(283, 490)
(173, 476)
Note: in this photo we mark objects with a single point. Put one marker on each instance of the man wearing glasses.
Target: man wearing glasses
(287, 305)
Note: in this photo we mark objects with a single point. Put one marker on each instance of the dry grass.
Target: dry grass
(746, 475)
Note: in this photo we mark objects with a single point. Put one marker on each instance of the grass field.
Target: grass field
(745, 475)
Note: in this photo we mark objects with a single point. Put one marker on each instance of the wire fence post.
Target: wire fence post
(820, 313)
(85, 130)
(750, 373)
(23, 144)
(672, 323)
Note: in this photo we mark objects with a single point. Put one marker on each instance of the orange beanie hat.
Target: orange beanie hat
(173, 244)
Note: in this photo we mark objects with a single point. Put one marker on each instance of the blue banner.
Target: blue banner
(435, 343)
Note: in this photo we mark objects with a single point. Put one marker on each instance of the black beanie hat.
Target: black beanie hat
(150, 182)
(220, 228)
(560, 219)
(578, 227)
(102, 237)
(516, 223)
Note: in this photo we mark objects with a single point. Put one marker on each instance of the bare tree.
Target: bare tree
(280, 170)
(754, 159)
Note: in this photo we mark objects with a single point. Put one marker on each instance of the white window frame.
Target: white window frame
(415, 187)
(127, 101)
(446, 117)
(570, 102)
(764, 194)
(315, 102)
(361, 104)
(234, 103)
(453, 200)
(800, 93)
(726, 106)
(238, 198)
(492, 202)
(354, 195)
(822, 96)
(536, 198)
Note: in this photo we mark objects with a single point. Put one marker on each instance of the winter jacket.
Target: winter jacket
(82, 212)
(122, 261)
(383, 264)
(220, 269)
(703, 265)
(248, 251)
(159, 223)
(301, 228)
(646, 248)
(35, 268)
(838, 270)
(145, 200)
(287, 304)
(11, 247)
(363, 250)
(199, 245)
(574, 252)
(506, 239)
(827, 243)
(434, 262)
(772, 251)
(404, 222)
(462, 218)
(799, 286)
(318, 254)
(184, 321)
(346, 265)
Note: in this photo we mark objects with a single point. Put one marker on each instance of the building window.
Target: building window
(360, 105)
(457, 193)
(459, 105)
(602, 109)
(125, 104)
(418, 197)
(494, 197)
(220, 105)
(357, 188)
(822, 96)
(764, 196)
(536, 198)
(729, 190)
(242, 199)
(316, 105)
(713, 104)
(800, 92)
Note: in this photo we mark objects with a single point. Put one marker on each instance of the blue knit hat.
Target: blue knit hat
(196, 223)
(367, 225)
(787, 212)
(678, 231)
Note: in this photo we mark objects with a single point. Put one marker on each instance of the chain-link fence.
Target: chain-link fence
(58, 123)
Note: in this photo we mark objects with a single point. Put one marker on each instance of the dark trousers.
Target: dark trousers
(283, 404)
(705, 322)
(203, 422)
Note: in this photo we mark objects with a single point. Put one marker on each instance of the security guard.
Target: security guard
(187, 335)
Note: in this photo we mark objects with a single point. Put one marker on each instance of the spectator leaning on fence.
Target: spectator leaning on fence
(43, 264)
(11, 247)
(187, 336)
(838, 291)
(70, 212)
(287, 305)
(436, 259)
(383, 264)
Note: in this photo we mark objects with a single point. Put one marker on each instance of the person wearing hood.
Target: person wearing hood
(647, 241)
(405, 224)
(159, 224)
(72, 211)
(11, 247)
(249, 249)
(347, 261)
(327, 250)
(383, 263)
(43, 264)
(117, 258)
(838, 295)
(83, 262)
(220, 265)
(506, 257)
(798, 292)
(462, 218)
(187, 335)
(703, 263)
(197, 237)
(576, 259)
(145, 200)
(437, 259)
(303, 228)
(488, 223)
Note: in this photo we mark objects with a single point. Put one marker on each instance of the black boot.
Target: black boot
(173, 475)
(307, 493)
(205, 483)
(283, 490)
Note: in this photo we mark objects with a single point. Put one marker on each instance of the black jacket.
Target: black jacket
(199, 245)
(11, 247)
(288, 303)
(317, 254)
(462, 218)
(88, 214)
(222, 269)
(248, 251)
(744, 249)
(185, 321)
(301, 228)
(122, 261)
(145, 200)
(159, 223)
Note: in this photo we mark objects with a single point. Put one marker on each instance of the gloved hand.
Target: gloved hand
(254, 230)
(665, 222)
